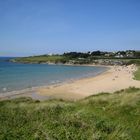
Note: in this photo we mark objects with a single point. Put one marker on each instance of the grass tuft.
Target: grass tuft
(137, 74)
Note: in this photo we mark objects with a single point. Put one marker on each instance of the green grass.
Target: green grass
(133, 61)
(137, 74)
(41, 59)
(101, 117)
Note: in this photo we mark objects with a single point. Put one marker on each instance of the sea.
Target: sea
(18, 76)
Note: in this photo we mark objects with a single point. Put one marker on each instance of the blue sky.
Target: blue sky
(31, 27)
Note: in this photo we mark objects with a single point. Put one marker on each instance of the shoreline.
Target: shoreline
(113, 79)
(33, 90)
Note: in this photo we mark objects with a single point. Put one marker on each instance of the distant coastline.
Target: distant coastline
(80, 58)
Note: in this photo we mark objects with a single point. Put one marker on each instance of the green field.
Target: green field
(101, 117)
(41, 59)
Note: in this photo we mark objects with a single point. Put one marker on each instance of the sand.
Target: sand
(116, 78)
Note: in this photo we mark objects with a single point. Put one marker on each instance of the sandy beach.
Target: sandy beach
(116, 78)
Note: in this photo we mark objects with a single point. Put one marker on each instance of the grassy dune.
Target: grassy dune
(137, 74)
(101, 117)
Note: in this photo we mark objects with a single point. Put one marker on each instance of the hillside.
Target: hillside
(101, 117)
(96, 57)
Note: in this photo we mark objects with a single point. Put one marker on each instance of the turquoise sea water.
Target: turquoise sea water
(15, 76)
